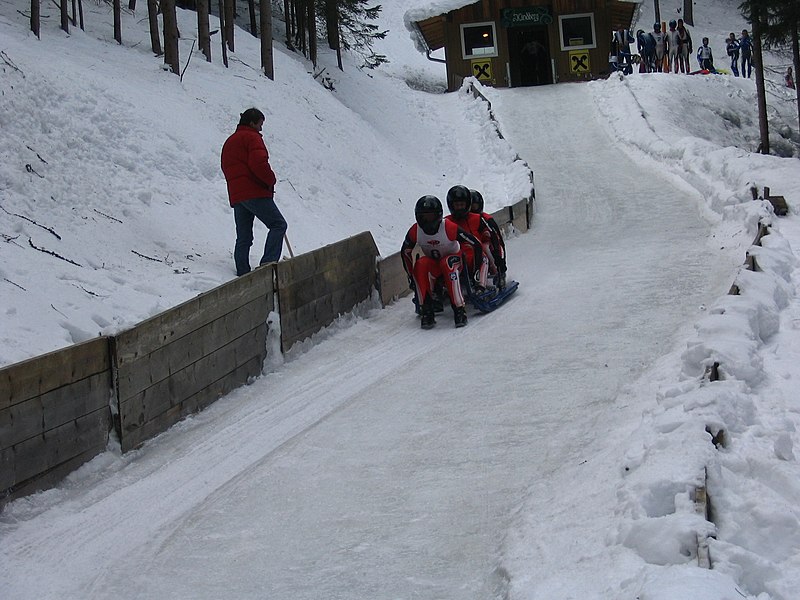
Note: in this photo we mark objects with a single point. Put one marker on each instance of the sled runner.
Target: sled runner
(492, 298)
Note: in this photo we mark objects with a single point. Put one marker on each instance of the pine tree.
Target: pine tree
(357, 33)
(781, 29)
(155, 36)
(171, 56)
(203, 29)
(265, 12)
(776, 24)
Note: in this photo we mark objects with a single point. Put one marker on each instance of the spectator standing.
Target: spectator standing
(251, 188)
(732, 47)
(789, 78)
(684, 47)
(672, 45)
(621, 48)
(746, 49)
(661, 46)
(705, 57)
(647, 50)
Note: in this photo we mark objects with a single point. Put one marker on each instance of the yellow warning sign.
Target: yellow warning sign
(579, 62)
(482, 69)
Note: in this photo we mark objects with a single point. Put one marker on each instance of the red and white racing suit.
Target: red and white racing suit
(441, 257)
(476, 225)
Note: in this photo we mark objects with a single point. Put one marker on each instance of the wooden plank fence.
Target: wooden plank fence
(182, 360)
(54, 416)
(314, 288)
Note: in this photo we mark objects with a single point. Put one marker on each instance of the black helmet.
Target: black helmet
(656, 26)
(428, 213)
(476, 204)
(459, 193)
(673, 23)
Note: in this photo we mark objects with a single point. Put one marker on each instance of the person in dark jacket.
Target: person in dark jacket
(746, 47)
(251, 187)
(732, 48)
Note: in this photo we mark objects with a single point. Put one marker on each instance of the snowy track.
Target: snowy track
(389, 462)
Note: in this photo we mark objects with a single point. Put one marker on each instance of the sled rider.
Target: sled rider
(442, 243)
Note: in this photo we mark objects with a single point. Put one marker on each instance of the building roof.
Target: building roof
(425, 21)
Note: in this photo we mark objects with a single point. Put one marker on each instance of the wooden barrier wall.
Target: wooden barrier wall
(182, 360)
(54, 416)
(392, 279)
(56, 410)
(314, 288)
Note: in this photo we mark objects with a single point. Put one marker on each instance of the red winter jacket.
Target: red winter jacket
(245, 163)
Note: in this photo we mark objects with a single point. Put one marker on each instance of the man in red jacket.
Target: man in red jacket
(251, 185)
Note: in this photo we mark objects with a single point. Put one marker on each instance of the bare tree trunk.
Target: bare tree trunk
(300, 25)
(118, 21)
(203, 29)
(35, 17)
(131, 5)
(288, 13)
(230, 20)
(171, 56)
(265, 12)
(223, 36)
(763, 123)
(152, 17)
(64, 16)
(312, 33)
(251, 6)
(80, 14)
(796, 62)
(74, 17)
(332, 23)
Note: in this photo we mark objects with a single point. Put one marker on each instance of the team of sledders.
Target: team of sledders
(665, 51)
(461, 250)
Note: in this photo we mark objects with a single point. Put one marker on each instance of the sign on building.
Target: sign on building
(482, 69)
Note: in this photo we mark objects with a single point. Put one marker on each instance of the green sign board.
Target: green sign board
(523, 17)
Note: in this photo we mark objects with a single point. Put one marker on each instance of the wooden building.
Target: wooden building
(512, 43)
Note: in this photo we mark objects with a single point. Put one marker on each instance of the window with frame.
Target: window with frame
(577, 31)
(478, 40)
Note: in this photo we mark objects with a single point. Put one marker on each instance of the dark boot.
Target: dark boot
(427, 318)
(460, 316)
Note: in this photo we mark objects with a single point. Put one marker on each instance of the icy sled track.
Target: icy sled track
(390, 462)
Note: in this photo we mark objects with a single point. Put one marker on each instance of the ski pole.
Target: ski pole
(288, 245)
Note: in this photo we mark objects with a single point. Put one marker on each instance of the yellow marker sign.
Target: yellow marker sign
(579, 62)
(482, 69)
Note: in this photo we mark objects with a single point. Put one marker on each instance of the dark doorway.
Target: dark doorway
(529, 56)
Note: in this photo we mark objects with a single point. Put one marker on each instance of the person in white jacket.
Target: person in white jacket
(673, 41)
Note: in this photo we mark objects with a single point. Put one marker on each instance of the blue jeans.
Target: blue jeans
(746, 59)
(244, 213)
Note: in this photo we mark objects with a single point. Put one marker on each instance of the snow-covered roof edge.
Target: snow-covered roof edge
(426, 10)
